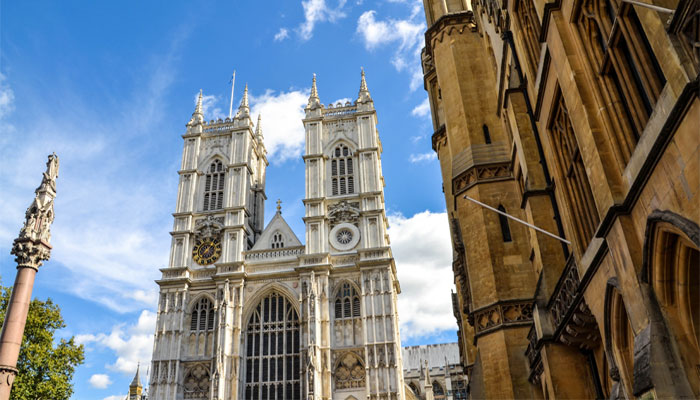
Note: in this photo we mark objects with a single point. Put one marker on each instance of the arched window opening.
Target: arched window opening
(630, 73)
(505, 228)
(487, 135)
(342, 181)
(414, 388)
(675, 277)
(622, 339)
(438, 391)
(202, 318)
(347, 303)
(272, 362)
(214, 187)
(571, 173)
(277, 241)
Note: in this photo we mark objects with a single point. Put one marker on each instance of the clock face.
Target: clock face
(206, 250)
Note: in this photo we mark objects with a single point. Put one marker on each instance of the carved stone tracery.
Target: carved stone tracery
(197, 382)
(350, 373)
(502, 314)
(479, 174)
(343, 211)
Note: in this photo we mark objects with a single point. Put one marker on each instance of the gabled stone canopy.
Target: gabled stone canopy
(277, 224)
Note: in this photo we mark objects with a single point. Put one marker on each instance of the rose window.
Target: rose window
(344, 236)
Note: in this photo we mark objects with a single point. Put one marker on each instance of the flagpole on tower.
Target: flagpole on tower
(233, 82)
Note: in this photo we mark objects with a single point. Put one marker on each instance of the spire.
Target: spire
(197, 116)
(363, 96)
(137, 379)
(314, 101)
(258, 129)
(428, 386)
(243, 109)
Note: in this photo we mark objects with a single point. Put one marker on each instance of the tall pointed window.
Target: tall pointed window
(214, 187)
(438, 391)
(347, 302)
(628, 76)
(202, 316)
(572, 173)
(272, 363)
(342, 180)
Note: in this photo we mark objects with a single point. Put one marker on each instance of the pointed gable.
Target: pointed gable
(277, 232)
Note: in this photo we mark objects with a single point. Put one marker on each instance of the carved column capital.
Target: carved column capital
(30, 253)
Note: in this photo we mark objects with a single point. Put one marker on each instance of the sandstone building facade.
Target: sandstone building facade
(249, 312)
(582, 118)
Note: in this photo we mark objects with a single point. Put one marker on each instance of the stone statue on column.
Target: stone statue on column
(31, 249)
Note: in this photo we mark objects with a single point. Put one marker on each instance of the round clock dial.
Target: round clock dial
(206, 250)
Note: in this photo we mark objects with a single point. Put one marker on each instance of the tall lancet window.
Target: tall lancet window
(272, 363)
(201, 336)
(347, 302)
(214, 187)
(342, 180)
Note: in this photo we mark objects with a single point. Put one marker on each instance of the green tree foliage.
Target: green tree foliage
(46, 366)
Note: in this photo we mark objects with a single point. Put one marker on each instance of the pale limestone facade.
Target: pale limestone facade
(434, 370)
(247, 312)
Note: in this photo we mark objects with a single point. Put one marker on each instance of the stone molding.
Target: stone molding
(502, 314)
(481, 174)
(439, 138)
(446, 25)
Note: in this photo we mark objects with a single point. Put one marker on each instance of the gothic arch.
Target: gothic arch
(671, 271)
(339, 285)
(193, 301)
(251, 303)
(271, 347)
(619, 341)
(330, 146)
(204, 164)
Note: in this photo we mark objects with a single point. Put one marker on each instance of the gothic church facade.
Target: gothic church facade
(249, 312)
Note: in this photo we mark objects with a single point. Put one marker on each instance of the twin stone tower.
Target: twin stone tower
(249, 312)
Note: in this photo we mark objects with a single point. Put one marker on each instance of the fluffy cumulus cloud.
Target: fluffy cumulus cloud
(423, 157)
(404, 35)
(421, 247)
(100, 381)
(131, 344)
(210, 106)
(281, 35)
(316, 11)
(281, 113)
(422, 109)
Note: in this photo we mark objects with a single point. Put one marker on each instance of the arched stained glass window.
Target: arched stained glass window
(272, 362)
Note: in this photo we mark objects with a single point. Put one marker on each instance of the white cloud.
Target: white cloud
(318, 11)
(423, 157)
(281, 35)
(115, 397)
(130, 344)
(342, 101)
(421, 247)
(110, 232)
(406, 35)
(422, 109)
(7, 97)
(209, 107)
(100, 381)
(281, 122)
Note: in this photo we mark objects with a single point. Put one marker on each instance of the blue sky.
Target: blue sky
(109, 87)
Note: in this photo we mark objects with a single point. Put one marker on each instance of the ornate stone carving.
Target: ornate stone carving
(350, 373)
(479, 174)
(32, 248)
(209, 226)
(439, 138)
(456, 23)
(495, 316)
(343, 212)
(197, 382)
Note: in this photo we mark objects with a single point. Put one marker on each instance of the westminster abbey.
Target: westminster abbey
(581, 118)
